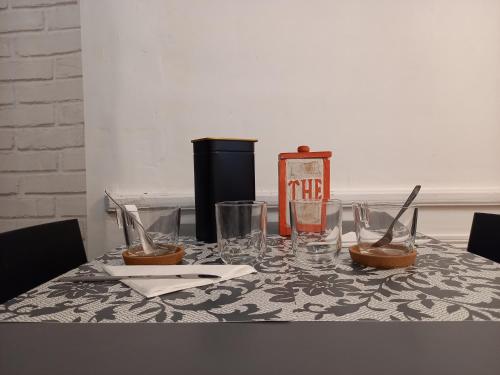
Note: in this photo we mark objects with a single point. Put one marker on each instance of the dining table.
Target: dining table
(439, 316)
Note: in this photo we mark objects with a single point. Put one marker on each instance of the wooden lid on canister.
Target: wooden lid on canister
(304, 152)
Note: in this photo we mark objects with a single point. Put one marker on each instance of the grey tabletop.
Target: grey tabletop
(446, 284)
(441, 316)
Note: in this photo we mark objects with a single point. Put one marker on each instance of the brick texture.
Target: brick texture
(27, 115)
(51, 91)
(50, 138)
(37, 3)
(69, 66)
(6, 94)
(70, 206)
(42, 155)
(25, 69)
(69, 113)
(9, 184)
(13, 161)
(63, 17)
(48, 44)
(21, 20)
(7, 224)
(73, 159)
(4, 47)
(6, 139)
(27, 207)
(55, 183)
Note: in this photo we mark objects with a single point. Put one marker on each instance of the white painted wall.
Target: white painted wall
(402, 91)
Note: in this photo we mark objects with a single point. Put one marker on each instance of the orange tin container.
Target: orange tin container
(302, 175)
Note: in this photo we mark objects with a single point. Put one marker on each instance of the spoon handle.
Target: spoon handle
(406, 204)
(387, 238)
(413, 230)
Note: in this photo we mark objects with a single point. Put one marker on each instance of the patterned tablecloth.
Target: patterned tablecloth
(446, 284)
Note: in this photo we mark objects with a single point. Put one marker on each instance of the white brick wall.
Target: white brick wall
(4, 47)
(42, 158)
(25, 70)
(21, 20)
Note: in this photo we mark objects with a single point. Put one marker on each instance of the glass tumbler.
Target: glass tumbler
(241, 231)
(316, 230)
(161, 224)
(373, 220)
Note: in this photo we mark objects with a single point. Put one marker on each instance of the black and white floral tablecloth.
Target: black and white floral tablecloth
(446, 284)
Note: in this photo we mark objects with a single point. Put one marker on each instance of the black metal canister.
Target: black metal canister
(224, 170)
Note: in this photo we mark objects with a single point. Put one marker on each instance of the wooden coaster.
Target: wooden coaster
(382, 260)
(142, 260)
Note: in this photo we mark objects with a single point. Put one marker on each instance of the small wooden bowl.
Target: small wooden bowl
(142, 260)
(381, 260)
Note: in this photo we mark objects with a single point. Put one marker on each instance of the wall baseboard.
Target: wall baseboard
(427, 197)
(458, 240)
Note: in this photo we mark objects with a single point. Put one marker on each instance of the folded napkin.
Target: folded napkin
(156, 287)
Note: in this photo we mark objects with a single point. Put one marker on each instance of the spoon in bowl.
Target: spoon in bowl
(387, 238)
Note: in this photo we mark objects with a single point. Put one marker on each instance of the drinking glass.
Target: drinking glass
(162, 225)
(241, 231)
(316, 230)
(372, 221)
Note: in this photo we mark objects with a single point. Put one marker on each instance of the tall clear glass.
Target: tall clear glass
(241, 231)
(372, 222)
(316, 230)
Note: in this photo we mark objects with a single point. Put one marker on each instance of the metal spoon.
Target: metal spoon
(133, 219)
(413, 230)
(387, 238)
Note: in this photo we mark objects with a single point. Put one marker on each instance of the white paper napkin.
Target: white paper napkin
(156, 287)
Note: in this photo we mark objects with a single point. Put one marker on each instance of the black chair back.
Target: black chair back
(31, 256)
(484, 237)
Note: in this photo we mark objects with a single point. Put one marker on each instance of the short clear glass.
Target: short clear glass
(241, 231)
(372, 221)
(162, 225)
(316, 230)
